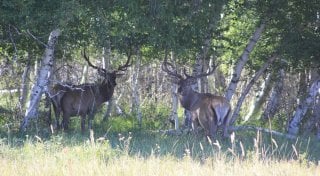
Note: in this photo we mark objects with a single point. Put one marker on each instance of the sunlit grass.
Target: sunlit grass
(132, 154)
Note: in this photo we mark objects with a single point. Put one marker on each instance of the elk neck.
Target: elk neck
(190, 99)
(106, 90)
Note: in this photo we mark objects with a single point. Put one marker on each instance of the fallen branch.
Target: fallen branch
(238, 128)
(231, 128)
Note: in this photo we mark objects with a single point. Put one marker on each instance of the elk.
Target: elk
(56, 93)
(84, 99)
(209, 110)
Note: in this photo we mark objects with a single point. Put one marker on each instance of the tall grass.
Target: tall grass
(146, 153)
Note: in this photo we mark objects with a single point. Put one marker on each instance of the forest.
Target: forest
(131, 60)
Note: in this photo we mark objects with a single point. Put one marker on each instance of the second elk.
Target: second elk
(84, 99)
(207, 109)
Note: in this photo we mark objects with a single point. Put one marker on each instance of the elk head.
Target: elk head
(209, 110)
(188, 97)
(109, 77)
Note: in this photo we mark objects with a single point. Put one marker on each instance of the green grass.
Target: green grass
(144, 152)
(120, 147)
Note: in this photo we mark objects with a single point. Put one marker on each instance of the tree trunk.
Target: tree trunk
(135, 107)
(106, 59)
(302, 108)
(219, 82)
(108, 112)
(84, 74)
(174, 114)
(24, 86)
(260, 97)
(118, 109)
(174, 95)
(242, 61)
(303, 85)
(274, 102)
(313, 122)
(316, 113)
(248, 87)
(42, 79)
(204, 84)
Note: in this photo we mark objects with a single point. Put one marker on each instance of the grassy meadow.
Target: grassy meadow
(144, 152)
(121, 147)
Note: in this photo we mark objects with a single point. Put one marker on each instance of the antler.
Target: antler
(174, 73)
(91, 65)
(203, 74)
(126, 65)
(165, 68)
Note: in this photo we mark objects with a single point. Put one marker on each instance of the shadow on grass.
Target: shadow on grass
(145, 143)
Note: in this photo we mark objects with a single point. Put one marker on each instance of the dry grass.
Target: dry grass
(70, 163)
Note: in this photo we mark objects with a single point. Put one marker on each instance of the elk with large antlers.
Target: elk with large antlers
(84, 99)
(209, 110)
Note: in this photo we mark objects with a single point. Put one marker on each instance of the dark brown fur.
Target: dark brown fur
(85, 99)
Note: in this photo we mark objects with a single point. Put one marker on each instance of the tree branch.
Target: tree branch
(34, 37)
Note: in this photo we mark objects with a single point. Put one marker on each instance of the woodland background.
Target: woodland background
(267, 51)
(268, 57)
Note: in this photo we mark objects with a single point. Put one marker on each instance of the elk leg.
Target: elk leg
(226, 125)
(212, 128)
(83, 121)
(57, 114)
(195, 122)
(57, 111)
(90, 119)
(195, 125)
(65, 122)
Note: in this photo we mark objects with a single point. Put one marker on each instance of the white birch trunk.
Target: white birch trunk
(260, 97)
(106, 60)
(274, 102)
(174, 96)
(42, 79)
(248, 87)
(84, 74)
(174, 114)
(242, 61)
(135, 90)
(302, 108)
(24, 86)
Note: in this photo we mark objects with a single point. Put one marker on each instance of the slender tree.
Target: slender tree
(302, 108)
(248, 87)
(242, 61)
(42, 79)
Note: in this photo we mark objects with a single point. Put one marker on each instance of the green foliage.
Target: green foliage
(121, 124)
(154, 115)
